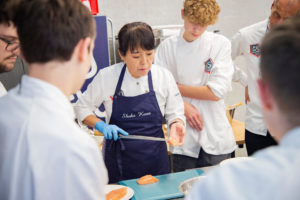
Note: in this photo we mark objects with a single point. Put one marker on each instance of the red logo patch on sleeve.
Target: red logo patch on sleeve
(255, 50)
(208, 65)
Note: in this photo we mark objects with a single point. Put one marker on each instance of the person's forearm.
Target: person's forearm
(201, 93)
(91, 120)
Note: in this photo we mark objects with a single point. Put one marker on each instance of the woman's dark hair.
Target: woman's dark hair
(134, 35)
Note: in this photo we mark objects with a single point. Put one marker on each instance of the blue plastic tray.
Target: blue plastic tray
(165, 188)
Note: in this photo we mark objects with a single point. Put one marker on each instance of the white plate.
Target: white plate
(235, 160)
(186, 185)
(111, 187)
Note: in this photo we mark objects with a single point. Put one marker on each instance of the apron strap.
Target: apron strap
(119, 157)
(120, 81)
(150, 81)
(118, 88)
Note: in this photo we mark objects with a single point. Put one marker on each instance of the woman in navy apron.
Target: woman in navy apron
(134, 158)
(136, 115)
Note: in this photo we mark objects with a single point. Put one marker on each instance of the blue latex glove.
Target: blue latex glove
(109, 131)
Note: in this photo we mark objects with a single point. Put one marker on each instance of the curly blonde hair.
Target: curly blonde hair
(202, 12)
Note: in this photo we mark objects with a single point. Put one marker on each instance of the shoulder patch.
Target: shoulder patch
(255, 50)
(208, 65)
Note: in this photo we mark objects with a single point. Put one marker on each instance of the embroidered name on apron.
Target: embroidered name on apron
(134, 115)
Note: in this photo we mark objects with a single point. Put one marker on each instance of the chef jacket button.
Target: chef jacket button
(137, 83)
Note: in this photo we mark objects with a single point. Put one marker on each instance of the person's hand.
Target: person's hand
(193, 116)
(177, 134)
(109, 131)
(247, 98)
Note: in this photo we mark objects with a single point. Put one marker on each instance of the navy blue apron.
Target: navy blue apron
(139, 115)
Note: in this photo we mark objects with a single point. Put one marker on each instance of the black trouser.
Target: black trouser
(181, 162)
(256, 142)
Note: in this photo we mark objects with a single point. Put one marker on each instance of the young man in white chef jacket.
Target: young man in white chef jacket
(201, 63)
(9, 43)
(274, 172)
(246, 43)
(43, 153)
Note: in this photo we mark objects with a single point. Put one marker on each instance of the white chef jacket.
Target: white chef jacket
(102, 89)
(43, 152)
(241, 45)
(2, 90)
(187, 62)
(273, 174)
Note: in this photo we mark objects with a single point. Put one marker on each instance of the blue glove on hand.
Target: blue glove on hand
(109, 131)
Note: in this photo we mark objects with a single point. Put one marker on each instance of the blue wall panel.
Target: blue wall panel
(100, 57)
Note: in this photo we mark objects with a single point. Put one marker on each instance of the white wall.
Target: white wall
(234, 13)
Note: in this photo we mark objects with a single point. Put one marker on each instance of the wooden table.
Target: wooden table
(238, 129)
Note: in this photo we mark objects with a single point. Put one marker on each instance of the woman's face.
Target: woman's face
(139, 61)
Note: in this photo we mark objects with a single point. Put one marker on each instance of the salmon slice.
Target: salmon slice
(147, 179)
(117, 194)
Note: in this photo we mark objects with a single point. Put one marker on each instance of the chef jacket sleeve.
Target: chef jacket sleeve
(236, 45)
(239, 76)
(245, 179)
(221, 183)
(91, 99)
(174, 103)
(221, 74)
(236, 50)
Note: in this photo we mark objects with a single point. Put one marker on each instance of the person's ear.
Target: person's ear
(265, 95)
(84, 49)
(121, 56)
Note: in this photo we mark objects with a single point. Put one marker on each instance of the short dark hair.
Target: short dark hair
(50, 29)
(134, 35)
(4, 14)
(280, 66)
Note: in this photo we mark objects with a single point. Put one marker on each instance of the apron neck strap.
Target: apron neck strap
(150, 81)
(118, 88)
